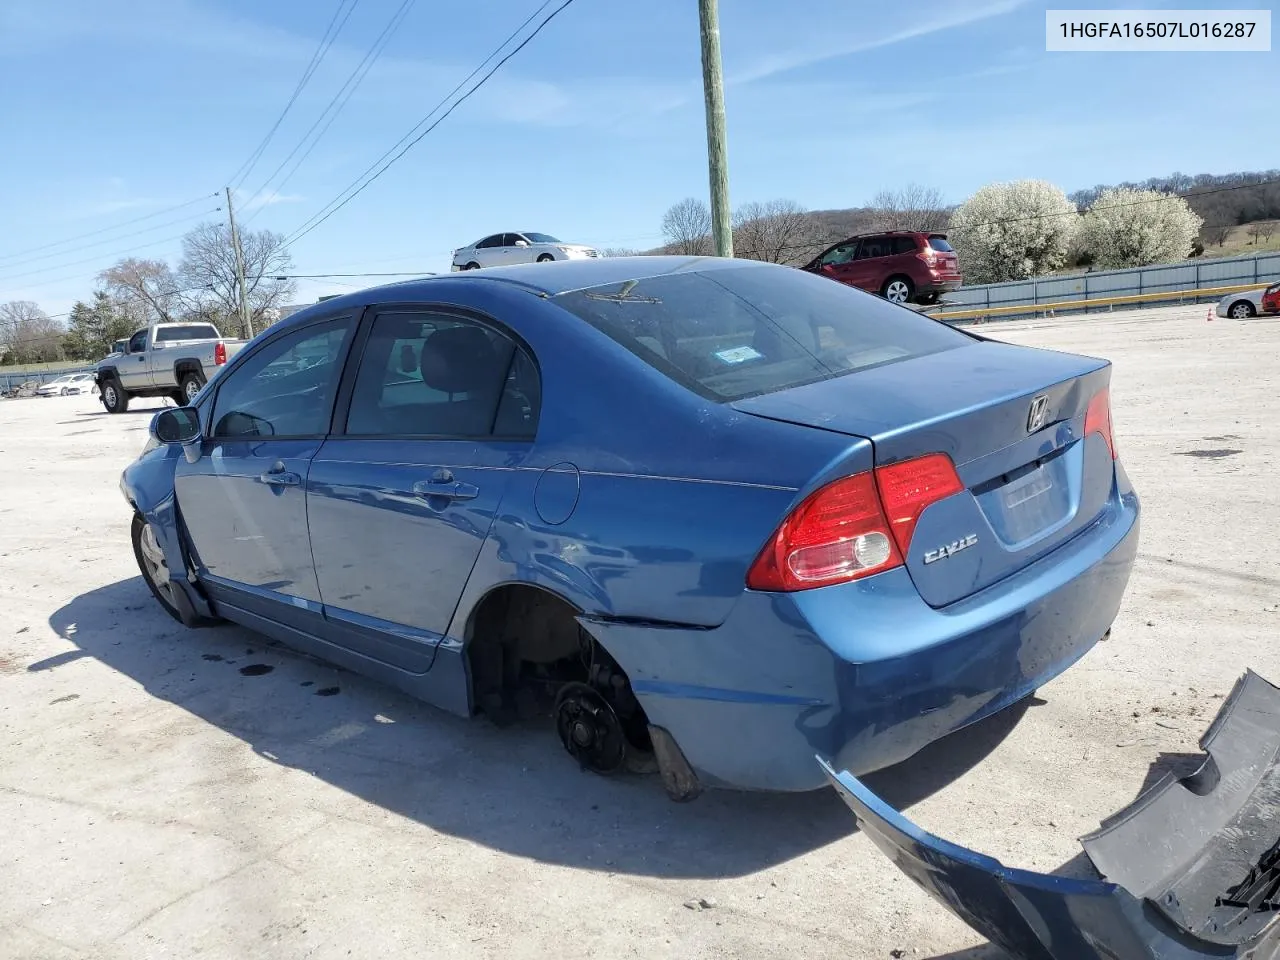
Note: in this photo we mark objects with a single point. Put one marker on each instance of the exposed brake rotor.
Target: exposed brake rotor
(590, 729)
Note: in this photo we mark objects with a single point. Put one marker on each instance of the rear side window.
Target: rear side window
(727, 334)
(186, 331)
(940, 244)
(433, 375)
(904, 245)
(488, 242)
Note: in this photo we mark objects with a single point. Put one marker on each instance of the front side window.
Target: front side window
(841, 254)
(286, 388)
(727, 334)
(433, 375)
(138, 342)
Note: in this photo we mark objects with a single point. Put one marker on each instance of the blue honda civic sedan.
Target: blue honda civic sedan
(715, 514)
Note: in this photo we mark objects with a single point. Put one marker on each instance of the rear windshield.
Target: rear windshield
(186, 331)
(733, 333)
(940, 244)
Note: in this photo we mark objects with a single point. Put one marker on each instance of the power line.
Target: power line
(352, 191)
(94, 233)
(99, 243)
(345, 92)
(322, 49)
(74, 263)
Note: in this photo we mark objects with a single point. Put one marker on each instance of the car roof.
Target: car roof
(540, 279)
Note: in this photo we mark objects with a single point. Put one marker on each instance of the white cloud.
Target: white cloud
(830, 44)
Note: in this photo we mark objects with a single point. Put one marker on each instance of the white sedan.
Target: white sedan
(72, 383)
(500, 249)
(1243, 305)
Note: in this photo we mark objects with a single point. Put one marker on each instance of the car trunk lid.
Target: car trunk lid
(1012, 420)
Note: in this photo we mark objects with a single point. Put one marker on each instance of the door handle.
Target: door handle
(446, 487)
(280, 478)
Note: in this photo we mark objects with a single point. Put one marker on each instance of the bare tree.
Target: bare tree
(209, 262)
(1255, 231)
(912, 208)
(146, 290)
(1267, 229)
(620, 252)
(777, 231)
(687, 228)
(1219, 234)
(28, 334)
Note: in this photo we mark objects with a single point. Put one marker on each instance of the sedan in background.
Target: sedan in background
(1246, 303)
(505, 249)
(74, 383)
(713, 514)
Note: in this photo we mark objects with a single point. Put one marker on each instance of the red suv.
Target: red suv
(900, 265)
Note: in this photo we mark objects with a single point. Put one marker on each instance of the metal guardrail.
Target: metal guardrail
(1134, 299)
(1105, 287)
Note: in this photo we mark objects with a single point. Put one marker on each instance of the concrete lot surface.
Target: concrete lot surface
(158, 799)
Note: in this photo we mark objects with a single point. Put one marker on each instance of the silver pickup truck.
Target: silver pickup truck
(163, 360)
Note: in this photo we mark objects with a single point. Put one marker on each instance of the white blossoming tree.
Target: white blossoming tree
(1132, 228)
(1012, 231)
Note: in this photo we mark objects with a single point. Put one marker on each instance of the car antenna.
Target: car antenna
(624, 294)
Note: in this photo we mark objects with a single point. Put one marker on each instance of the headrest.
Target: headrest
(458, 360)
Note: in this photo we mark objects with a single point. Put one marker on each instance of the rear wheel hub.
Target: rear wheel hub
(590, 729)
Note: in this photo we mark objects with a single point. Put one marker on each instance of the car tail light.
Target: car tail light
(1098, 418)
(219, 354)
(907, 488)
(854, 527)
(929, 255)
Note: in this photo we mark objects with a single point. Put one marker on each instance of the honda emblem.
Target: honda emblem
(1038, 413)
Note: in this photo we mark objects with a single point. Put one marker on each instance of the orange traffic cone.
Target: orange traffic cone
(1210, 316)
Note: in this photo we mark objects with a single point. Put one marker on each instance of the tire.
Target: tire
(66, 391)
(115, 397)
(152, 565)
(188, 387)
(1241, 310)
(472, 266)
(898, 290)
(545, 258)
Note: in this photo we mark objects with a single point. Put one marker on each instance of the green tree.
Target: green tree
(93, 328)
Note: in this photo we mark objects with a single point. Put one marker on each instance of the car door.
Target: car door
(243, 501)
(133, 368)
(442, 408)
(837, 262)
(489, 251)
(867, 270)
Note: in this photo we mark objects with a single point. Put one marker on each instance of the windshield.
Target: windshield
(540, 237)
(742, 332)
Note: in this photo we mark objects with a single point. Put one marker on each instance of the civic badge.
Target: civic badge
(1038, 413)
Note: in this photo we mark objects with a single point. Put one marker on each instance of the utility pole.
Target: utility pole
(717, 152)
(245, 319)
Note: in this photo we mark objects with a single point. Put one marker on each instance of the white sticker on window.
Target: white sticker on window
(739, 354)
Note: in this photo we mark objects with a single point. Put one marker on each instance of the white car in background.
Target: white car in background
(1243, 305)
(72, 383)
(501, 249)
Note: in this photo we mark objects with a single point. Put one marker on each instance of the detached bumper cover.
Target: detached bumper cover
(1191, 869)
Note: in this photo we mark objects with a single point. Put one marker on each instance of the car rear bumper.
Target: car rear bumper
(866, 673)
(940, 285)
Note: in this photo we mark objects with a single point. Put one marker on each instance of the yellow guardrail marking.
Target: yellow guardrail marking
(1049, 308)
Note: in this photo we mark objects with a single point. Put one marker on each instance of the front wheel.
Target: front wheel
(545, 258)
(897, 290)
(472, 266)
(1241, 310)
(114, 397)
(153, 566)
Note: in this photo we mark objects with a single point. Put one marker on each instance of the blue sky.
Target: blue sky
(115, 110)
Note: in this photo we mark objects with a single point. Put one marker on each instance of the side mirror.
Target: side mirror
(522, 243)
(176, 425)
